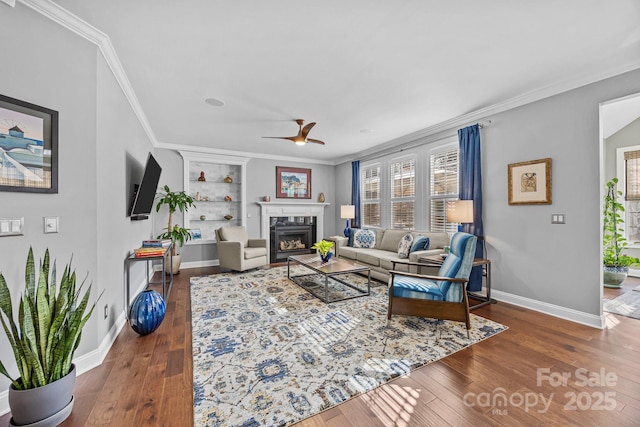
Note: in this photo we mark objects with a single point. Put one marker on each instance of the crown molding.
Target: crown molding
(223, 152)
(11, 3)
(80, 27)
(449, 127)
(70, 21)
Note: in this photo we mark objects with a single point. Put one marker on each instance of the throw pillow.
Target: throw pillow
(352, 231)
(420, 243)
(364, 238)
(404, 246)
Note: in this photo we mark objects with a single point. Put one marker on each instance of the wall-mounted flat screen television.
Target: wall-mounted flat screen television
(145, 192)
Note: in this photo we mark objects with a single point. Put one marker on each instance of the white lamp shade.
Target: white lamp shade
(347, 211)
(460, 211)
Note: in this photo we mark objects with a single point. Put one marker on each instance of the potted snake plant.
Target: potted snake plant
(47, 334)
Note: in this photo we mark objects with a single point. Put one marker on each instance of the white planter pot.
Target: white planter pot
(48, 405)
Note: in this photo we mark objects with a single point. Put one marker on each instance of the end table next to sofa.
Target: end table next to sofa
(437, 260)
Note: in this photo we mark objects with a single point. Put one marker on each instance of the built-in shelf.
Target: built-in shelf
(215, 189)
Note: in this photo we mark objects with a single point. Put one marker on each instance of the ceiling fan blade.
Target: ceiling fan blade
(290, 138)
(315, 141)
(306, 129)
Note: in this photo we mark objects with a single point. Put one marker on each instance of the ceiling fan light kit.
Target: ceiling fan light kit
(301, 137)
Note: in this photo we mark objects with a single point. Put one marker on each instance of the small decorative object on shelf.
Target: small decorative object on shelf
(147, 312)
(227, 198)
(228, 179)
(324, 248)
(198, 197)
(228, 217)
(201, 177)
(266, 198)
(202, 217)
(321, 198)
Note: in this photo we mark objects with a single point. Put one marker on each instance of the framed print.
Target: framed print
(530, 182)
(196, 233)
(293, 183)
(28, 147)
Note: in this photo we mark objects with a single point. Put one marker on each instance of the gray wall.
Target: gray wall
(98, 137)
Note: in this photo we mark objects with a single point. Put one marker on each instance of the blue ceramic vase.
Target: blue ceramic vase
(147, 312)
(326, 258)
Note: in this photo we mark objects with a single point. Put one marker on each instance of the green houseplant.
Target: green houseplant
(615, 263)
(324, 248)
(175, 201)
(50, 322)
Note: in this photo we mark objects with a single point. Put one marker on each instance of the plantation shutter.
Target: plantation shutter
(402, 183)
(444, 187)
(632, 172)
(370, 181)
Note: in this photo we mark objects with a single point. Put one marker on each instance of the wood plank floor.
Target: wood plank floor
(148, 380)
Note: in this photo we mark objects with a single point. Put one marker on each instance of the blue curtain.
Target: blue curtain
(355, 192)
(470, 188)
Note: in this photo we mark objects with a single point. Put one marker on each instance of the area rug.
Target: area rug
(268, 353)
(627, 304)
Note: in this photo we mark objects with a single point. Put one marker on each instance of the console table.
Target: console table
(437, 260)
(166, 258)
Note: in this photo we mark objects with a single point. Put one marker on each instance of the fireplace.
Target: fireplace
(291, 238)
(281, 215)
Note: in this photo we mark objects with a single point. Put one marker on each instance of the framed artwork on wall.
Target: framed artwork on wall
(293, 183)
(530, 182)
(28, 147)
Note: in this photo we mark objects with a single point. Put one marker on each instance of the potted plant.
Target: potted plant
(615, 263)
(175, 200)
(50, 322)
(324, 248)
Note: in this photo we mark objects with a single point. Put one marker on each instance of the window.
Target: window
(631, 193)
(402, 184)
(370, 196)
(444, 187)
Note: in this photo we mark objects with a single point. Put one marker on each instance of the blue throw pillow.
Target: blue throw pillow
(352, 231)
(420, 243)
(364, 238)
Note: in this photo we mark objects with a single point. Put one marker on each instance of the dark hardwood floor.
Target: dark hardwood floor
(514, 378)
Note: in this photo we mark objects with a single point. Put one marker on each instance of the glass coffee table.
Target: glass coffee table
(328, 282)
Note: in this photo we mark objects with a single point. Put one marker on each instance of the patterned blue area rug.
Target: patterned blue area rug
(268, 353)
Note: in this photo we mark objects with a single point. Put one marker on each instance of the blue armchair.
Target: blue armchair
(439, 297)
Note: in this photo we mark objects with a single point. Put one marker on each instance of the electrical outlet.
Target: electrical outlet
(106, 311)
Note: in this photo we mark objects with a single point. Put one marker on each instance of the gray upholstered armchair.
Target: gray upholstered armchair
(237, 252)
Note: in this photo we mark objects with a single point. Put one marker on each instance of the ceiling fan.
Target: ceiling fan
(301, 137)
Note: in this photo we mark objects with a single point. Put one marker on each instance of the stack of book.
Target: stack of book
(156, 243)
(151, 248)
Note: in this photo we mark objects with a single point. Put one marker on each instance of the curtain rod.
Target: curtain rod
(448, 135)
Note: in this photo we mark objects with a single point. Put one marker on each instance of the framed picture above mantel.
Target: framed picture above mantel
(293, 183)
(530, 182)
(28, 147)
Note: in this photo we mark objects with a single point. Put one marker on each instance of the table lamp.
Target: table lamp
(347, 212)
(460, 211)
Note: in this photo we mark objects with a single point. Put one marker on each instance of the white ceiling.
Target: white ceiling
(392, 67)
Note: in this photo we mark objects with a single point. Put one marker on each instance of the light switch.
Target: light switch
(51, 224)
(557, 218)
(11, 226)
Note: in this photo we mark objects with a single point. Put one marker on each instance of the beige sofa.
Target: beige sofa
(380, 258)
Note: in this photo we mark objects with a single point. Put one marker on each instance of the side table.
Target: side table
(437, 260)
(167, 258)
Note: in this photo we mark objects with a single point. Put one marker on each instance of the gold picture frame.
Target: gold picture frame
(530, 182)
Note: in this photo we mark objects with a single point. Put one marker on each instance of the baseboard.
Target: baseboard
(553, 310)
(89, 360)
(193, 264)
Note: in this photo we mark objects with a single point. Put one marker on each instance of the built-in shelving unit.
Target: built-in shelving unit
(218, 185)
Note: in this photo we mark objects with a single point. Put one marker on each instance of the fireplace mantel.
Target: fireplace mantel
(289, 208)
